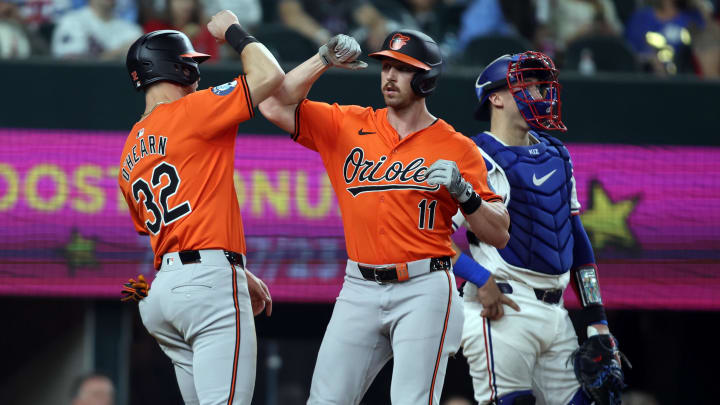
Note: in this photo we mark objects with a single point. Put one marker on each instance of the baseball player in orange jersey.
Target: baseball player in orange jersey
(176, 176)
(397, 192)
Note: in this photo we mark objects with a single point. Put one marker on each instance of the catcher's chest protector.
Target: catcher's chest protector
(540, 178)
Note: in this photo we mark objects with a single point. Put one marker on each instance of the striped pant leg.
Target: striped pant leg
(554, 374)
(428, 322)
(354, 348)
(225, 345)
(201, 316)
(501, 354)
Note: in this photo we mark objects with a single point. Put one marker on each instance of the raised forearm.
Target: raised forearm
(298, 81)
(341, 51)
(280, 107)
(490, 223)
(263, 72)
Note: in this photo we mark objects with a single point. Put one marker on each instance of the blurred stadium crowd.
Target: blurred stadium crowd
(662, 37)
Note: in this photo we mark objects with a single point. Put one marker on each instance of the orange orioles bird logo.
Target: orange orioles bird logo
(398, 41)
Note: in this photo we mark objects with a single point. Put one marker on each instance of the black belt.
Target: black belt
(193, 256)
(547, 296)
(387, 274)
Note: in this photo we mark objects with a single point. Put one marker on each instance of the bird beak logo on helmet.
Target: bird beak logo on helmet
(398, 41)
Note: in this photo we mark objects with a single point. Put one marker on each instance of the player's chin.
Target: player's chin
(394, 101)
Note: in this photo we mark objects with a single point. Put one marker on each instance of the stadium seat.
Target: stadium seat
(483, 50)
(284, 43)
(610, 54)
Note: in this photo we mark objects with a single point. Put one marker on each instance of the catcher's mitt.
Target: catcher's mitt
(598, 368)
(135, 290)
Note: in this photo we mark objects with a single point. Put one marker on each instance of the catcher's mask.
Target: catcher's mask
(531, 78)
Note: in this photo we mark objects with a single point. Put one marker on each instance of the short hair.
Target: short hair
(80, 380)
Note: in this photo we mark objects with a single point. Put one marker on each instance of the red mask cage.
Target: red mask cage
(532, 80)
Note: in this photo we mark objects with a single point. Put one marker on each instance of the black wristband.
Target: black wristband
(593, 314)
(238, 38)
(472, 204)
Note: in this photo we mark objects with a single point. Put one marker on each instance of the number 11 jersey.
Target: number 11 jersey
(390, 213)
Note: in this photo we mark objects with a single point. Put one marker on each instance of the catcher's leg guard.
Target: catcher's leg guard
(517, 398)
(580, 398)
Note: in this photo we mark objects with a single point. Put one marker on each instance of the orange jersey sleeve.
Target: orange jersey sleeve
(317, 124)
(221, 107)
(473, 169)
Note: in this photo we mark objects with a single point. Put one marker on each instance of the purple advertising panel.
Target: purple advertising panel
(652, 213)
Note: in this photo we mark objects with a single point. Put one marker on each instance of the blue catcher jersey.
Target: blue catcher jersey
(540, 200)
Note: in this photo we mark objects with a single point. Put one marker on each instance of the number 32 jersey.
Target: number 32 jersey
(176, 171)
(390, 214)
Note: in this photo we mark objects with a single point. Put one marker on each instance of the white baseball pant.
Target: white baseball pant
(200, 315)
(418, 322)
(526, 350)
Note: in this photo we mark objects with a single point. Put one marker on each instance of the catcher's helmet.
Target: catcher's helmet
(514, 72)
(163, 55)
(418, 50)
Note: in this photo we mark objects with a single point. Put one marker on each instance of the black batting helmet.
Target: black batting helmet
(418, 50)
(163, 55)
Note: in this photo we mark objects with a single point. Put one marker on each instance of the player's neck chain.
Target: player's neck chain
(153, 109)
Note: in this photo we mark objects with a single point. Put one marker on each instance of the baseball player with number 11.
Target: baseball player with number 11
(529, 355)
(397, 192)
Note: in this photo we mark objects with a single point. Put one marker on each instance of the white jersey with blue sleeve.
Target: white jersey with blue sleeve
(489, 256)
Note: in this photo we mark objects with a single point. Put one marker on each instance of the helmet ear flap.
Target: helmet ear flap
(423, 83)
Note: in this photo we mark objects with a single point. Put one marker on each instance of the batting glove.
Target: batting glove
(446, 173)
(342, 51)
(135, 290)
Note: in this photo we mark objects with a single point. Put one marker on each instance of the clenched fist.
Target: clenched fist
(342, 51)
(446, 173)
(220, 22)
